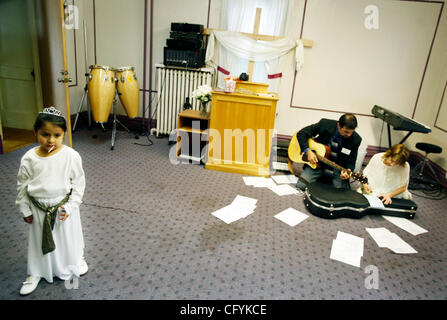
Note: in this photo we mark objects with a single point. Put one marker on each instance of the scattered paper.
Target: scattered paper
(240, 208)
(280, 189)
(386, 239)
(251, 181)
(284, 189)
(280, 166)
(259, 182)
(289, 178)
(400, 246)
(347, 248)
(374, 201)
(343, 252)
(291, 216)
(406, 224)
(380, 236)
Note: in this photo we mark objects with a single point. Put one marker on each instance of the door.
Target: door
(45, 44)
(20, 92)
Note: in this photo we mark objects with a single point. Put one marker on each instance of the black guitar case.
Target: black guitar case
(325, 201)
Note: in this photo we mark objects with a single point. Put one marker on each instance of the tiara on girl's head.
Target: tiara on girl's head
(52, 110)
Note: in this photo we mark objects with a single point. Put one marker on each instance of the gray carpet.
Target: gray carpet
(149, 234)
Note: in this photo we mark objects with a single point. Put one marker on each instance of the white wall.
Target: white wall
(349, 68)
(118, 42)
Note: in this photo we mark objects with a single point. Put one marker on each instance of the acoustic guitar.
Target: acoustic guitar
(322, 152)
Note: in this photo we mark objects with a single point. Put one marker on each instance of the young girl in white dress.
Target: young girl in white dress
(388, 174)
(50, 186)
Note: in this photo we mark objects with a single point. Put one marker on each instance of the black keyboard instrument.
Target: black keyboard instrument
(399, 122)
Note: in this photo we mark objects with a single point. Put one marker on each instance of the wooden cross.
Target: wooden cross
(256, 36)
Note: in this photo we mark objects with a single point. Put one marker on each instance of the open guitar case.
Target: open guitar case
(325, 201)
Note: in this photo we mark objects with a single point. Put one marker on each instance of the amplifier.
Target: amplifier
(187, 27)
(184, 44)
(184, 58)
(185, 35)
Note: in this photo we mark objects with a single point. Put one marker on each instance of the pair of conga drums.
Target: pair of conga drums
(104, 81)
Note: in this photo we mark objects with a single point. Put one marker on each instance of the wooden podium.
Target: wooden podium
(241, 132)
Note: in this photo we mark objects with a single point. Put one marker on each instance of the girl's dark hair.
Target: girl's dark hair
(52, 118)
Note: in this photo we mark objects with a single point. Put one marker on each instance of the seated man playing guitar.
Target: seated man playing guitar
(341, 143)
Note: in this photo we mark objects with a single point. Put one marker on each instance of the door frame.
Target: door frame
(37, 58)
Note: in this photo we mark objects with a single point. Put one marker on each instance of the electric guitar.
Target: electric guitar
(322, 152)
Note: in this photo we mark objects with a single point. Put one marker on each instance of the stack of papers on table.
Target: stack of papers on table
(386, 239)
(291, 216)
(281, 189)
(241, 207)
(347, 248)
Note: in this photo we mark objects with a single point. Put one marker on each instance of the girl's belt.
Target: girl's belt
(48, 223)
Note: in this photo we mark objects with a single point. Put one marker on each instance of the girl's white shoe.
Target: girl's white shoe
(83, 267)
(29, 285)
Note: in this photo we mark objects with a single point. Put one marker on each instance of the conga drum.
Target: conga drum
(128, 90)
(101, 91)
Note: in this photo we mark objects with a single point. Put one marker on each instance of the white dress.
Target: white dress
(48, 180)
(385, 179)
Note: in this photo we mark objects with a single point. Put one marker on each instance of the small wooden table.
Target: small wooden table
(192, 135)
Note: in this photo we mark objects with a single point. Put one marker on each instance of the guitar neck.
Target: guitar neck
(330, 163)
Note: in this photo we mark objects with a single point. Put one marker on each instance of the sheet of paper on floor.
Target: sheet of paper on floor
(259, 182)
(347, 248)
(284, 189)
(406, 225)
(240, 208)
(251, 181)
(380, 236)
(285, 178)
(280, 166)
(386, 239)
(244, 203)
(291, 216)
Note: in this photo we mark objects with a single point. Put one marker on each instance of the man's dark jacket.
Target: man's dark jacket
(322, 132)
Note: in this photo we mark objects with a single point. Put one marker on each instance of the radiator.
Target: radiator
(173, 86)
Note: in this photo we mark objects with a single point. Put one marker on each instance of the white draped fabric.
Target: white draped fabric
(226, 46)
(240, 16)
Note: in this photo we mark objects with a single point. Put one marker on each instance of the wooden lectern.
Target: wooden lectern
(241, 130)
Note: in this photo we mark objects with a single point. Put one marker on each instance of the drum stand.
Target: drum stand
(80, 107)
(115, 121)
